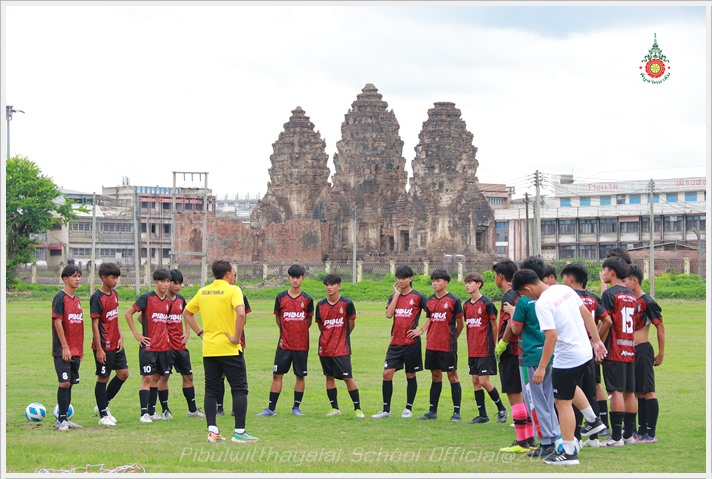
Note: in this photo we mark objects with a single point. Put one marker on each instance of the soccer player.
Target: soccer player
(647, 311)
(153, 341)
(481, 323)
(293, 311)
(221, 388)
(549, 274)
(107, 342)
(619, 366)
(178, 355)
(67, 341)
(615, 253)
(404, 306)
(222, 311)
(508, 351)
(560, 311)
(444, 325)
(335, 316)
(575, 276)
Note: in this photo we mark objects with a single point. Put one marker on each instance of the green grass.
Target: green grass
(315, 443)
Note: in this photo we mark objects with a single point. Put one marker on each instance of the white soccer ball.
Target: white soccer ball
(70, 411)
(35, 412)
(560, 446)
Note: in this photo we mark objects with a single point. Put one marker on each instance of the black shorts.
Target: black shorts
(440, 360)
(565, 380)
(598, 373)
(587, 380)
(509, 373)
(67, 371)
(115, 360)
(337, 367)
(482, 366)
(284, 358)
(619, 376)
(180, 359)
(153, 362)
(410, 355)
(644, 369)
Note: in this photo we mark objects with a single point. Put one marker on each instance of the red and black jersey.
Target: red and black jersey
(620, 302)
(593, 304)
(510, 297)
(153, 320)
(69, 310)
(478, 317)
(443, 313)
(406, 316)
(247, 310)
(174, 324)
(105, 308)
(333, 320)
(647, 311)
(294, 315)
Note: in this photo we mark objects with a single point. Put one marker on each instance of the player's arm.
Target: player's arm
(661, 344)
(604, 326)
(598, 346)
(546, 353)
(493, 325)
(66, 352)
(96, 338)
(414, 333)
(239, 324)
(507, 336)
(459, 325)
(142, 340)
(186, 328)
(391, 309)
(352, 325)
(189, 318)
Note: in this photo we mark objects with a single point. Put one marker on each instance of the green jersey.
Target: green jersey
(531, 339)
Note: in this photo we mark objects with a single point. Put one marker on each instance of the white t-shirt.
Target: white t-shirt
(558, 308)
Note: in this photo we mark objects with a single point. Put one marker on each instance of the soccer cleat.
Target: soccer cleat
(516, 448)
(647, 440)
(502, 416)
(106, 421)
(629, 441)
(213, 437)
(591, 443)
(407, 413)
(605, 432)
(542, 452)
(455, 417)
(243, 437)
(196, 413)
(297, 412)
(479, 420)
(333, 412)
(267, 412)
(359, 413)
(156, 416)
(146, 419)
(63, 426)
(563, 460)
(428, 415)
(613, 443)
(73, 425)
(592, 428)
(108, 413)
(167, 414)
(220, 412)
(381, 415)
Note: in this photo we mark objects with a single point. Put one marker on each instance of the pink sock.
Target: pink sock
(519, 415)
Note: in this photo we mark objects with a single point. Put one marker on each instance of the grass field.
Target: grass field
(315, 443)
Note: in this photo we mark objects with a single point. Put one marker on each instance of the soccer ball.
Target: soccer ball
(560, 446)
(70, 412)
(35, 412)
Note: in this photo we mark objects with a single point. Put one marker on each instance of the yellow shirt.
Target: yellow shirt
(217, 303)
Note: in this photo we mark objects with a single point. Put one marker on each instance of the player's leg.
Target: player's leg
(153, 398)
(344, 370)
(479, 397)
(220, 397)
(236, 375)
(393, 362)
(214, 371)
(299, 363)
(163, 396)
(564, 384)
(147, 364)
(103, 372)
(282, 363)
(121, 367)
(542, 397)
(490, 366)
(413, 361)
(456, 392)
(64, 374)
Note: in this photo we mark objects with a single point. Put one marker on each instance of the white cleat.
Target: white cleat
(146, 419)
(407, 413)
(381, 415)
(106, 421)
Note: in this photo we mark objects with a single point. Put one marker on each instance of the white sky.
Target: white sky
(141, 90)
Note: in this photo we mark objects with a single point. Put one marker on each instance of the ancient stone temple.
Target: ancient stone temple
(453, 215)
(369, 176)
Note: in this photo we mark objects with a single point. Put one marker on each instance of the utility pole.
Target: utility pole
(137, 249)
(699, 252)
(652, 239)
(526, 206)
(537, 217)
(93, 243)
(8, 116)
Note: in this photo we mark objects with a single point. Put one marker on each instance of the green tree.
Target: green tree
(33, 205)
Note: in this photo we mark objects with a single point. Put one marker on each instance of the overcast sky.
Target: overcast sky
(138, 91)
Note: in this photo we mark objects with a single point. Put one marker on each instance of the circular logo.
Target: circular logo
(655, 68)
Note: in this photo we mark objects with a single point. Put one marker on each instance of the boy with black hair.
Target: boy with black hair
(335, 316)
(444, 325)
(560, 311)
(293, 311)
(404, 306)
(549, 274)
(178, 355)
(67, 341)
(153, 341)
(481, 322)
(107, 342)
(618, 252)
(619, 365)
(647, 311)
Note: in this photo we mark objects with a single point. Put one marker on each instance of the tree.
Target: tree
(33, 205)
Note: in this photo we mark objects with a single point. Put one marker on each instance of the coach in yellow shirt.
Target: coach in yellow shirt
(222, 310)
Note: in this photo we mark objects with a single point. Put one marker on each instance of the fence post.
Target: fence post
(359, 271)
(686, 265)
(147, 274)
(393, 266)
(265, 270)
(327, 266)
(646, 269)
(61, 267)
(426, 267)
(460, 270)
(34, 274)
